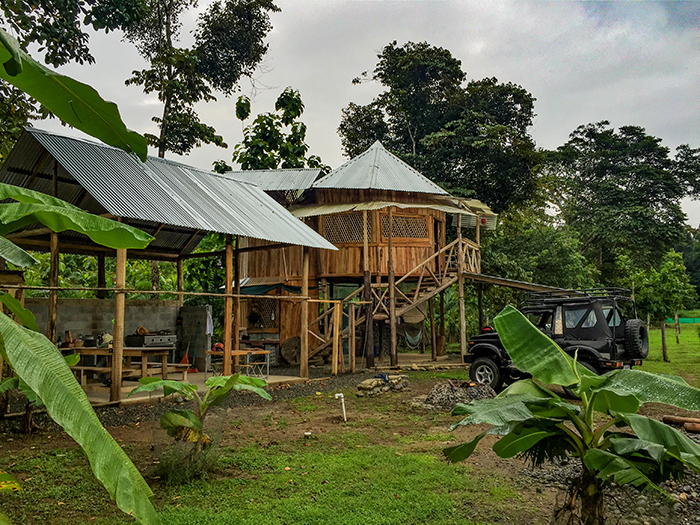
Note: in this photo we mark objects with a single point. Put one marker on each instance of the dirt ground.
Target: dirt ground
(383, 419)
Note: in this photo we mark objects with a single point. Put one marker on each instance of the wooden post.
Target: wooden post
(236, 306)
(392, 291)
(101, 276)
(304, 357)
(351, 333)
(325, 308)
(678, 329)
(478, 229)
(369, 323)
(480, 304)
(433, 331)
(337, 340)
(228, 305)
(442, 343)
(460, 285)
(180, 265)
(115, 392)
(53, 294)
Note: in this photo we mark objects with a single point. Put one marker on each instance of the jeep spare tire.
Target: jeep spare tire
(636, 338)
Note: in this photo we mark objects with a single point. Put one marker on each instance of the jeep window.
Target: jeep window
(541, 320)
(612, 315)
(574, 316)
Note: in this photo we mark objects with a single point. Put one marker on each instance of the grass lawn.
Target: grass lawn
(382, 467)
(684, 356)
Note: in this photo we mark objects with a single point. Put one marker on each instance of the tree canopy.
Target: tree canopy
(471, 139)
(624, 191)
(228, 45)
(265, 143)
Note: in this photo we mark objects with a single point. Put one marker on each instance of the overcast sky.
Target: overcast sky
(632, 63)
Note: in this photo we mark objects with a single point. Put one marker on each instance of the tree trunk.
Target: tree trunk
(584, 503)
(592, 501)
(664, 348)
(28, 425)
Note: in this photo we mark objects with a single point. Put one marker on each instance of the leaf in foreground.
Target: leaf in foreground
(44, 369)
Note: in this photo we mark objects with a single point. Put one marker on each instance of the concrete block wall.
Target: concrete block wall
(91, 316)
(193, 334)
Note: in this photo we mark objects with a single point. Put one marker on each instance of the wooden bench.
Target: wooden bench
(82, 370)
(154, 369)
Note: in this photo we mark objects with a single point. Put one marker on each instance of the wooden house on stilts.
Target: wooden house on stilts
(389, 224)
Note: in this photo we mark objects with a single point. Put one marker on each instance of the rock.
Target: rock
(414, 366)
(683, 497)
(447, 394)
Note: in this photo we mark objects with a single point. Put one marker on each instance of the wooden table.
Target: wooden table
(257, 369)
(144, 352)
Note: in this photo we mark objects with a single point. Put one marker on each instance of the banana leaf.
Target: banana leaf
(612, 468)
(527, 387)
(8, 191)
(498, 411)
(533, 352)
(14, 254)
(654, 431)
(23, 315)
(175, 419)
(523, 438)
(625, 446)
(169, 386)
(650, 388)
(45, 370)
(101, 230)
(8, 483)
(464, 450)
(73, 102)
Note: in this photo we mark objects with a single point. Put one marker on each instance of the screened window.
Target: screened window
(346, 228)
(574, 316)
(405, 227)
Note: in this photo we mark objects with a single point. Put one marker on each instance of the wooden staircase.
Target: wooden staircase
(432, 276)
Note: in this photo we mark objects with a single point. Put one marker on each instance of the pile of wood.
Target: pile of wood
(690, 424)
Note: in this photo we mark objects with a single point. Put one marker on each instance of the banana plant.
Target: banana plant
(188, 425)
(612, 441)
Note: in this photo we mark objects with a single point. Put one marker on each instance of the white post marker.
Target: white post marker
(342, 400)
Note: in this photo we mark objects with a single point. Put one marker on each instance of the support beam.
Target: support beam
(460, 287)
(337, 355)
(392, 291)
(53, 294)
(369, 323)
(101, 276)
(351, 333)
(236, 304)
(115, 392)
(433, 331)
(37, 168)
(304, 358)
(180, 266)
(442, 350)
(228, 305)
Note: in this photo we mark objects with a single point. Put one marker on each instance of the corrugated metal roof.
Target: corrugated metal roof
(378, 169)
(162, 191)
(328, 209)
(278, 180)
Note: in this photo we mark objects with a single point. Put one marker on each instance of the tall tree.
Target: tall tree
(228, 45)
(471, 139)
(266, 144)
(624, 193)
(57, 27)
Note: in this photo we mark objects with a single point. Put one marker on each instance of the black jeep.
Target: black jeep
(589, 321)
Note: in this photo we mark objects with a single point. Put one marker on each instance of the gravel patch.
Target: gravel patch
(112, 416)
(627, 506)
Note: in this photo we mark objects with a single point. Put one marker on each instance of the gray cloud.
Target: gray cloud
(627, 62)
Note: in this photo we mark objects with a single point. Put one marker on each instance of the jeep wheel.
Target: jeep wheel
(485, 370)
(636, 338)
